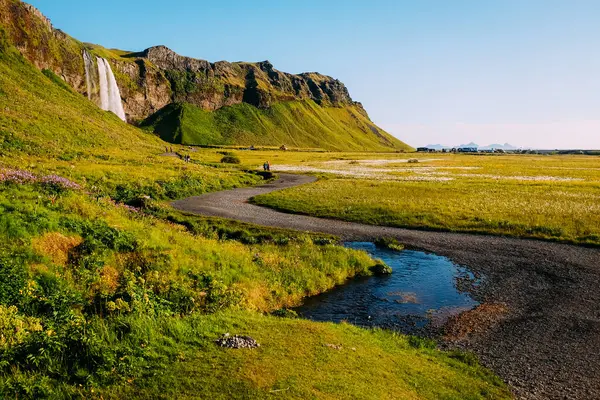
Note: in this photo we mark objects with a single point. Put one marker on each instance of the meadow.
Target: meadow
(552, 197)
(106, 291)
(109, 292)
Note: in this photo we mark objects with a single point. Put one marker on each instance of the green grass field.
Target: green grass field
(106, 292)
(547, 197)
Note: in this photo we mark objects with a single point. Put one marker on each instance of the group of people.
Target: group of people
(267, 166)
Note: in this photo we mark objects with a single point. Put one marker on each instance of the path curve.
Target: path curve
(549, 344)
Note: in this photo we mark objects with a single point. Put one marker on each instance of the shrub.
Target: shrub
(389, 243)
(232, 159)
(15, 328)
(381, 268)
(13, 278)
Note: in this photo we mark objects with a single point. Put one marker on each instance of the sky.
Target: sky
(526, 72)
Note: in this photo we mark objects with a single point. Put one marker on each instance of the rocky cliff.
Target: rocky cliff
(156, 77)
(151, 79)
(159, 76)
(46, 47)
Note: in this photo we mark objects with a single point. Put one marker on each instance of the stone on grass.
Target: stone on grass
(237, 342)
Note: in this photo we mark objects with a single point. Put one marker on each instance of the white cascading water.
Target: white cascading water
(114, 95)
(110, 95)
(87, 62)
(104, 103)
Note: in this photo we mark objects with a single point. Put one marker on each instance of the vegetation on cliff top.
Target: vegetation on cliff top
(294, 123)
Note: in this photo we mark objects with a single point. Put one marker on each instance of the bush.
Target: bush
(389, 243)
(381, 268)
(13, 278)
(232, 159)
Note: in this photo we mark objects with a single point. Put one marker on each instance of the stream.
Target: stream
(420, 295)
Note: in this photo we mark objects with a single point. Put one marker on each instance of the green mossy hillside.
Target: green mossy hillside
(302, 124)
(42, 116)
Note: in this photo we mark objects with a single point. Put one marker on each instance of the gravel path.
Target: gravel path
(547, 347)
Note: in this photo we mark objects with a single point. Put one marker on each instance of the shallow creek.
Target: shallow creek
(423, 291)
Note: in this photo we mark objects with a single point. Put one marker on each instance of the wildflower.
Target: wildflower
(21, 177)
(16, 176)
(59, 181)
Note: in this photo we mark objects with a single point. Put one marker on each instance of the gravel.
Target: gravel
(237, 342)
(547, 346)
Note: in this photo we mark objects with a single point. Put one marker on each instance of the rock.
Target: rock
(285, 313)
(237, 342)
(381, 269)
(215, 85)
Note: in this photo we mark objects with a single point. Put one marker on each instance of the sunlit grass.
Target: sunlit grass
(547, 197)
(101, 300)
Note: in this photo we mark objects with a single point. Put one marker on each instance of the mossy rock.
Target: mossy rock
(285, 313)
(381, 269)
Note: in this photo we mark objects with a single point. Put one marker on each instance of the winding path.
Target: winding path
(547, 347)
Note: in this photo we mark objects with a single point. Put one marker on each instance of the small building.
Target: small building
(422, 149)
(467, 150)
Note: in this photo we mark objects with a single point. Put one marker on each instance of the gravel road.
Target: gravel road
(546, 347)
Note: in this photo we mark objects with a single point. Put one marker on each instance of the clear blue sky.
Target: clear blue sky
(430, 71)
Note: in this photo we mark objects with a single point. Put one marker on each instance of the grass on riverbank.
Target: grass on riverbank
(545, 197)
(138, 299)
(300, 359)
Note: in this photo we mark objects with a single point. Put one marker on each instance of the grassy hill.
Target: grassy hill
(199, 102)
(293, 123)
(106, 292)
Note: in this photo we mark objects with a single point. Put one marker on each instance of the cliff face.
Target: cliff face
(160, 73)
(151, 79)
(46, 47)
(214, 85)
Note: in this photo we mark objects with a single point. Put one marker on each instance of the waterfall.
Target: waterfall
(102, 86)
(104, 103)
(89, 65)
(114, 95)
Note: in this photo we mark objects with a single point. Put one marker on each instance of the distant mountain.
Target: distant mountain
(505, 146)
(437, 146)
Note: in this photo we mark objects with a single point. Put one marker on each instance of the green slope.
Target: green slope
(42, 115)
(294, 123)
